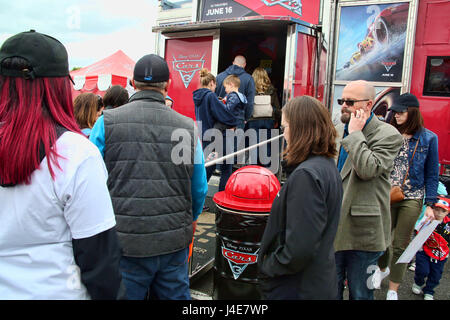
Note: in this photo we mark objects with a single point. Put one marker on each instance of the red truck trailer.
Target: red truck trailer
(400, 46)
(430, 77)
(284, 37)
(281, 36)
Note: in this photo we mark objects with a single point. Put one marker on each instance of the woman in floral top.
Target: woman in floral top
(422, 178)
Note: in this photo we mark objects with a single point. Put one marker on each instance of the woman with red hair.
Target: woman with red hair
(57, 236)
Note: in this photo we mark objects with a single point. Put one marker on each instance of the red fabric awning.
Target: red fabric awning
(98, 77)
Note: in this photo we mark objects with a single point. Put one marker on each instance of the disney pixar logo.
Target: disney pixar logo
(187, 68)
(238, 261)
(294, 6)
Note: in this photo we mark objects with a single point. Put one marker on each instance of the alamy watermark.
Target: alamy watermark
(222, 144)
(73, 21)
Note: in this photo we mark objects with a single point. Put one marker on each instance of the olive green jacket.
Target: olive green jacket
(365, 222)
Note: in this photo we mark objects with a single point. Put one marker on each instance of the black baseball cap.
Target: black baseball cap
(46, 55)
(403, 102)
(151, 68)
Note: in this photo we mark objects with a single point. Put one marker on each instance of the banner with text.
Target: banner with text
(185, 58)
(307, 11)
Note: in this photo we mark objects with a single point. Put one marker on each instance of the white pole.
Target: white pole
(215, 161)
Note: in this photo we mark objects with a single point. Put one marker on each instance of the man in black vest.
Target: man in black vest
(157, 182)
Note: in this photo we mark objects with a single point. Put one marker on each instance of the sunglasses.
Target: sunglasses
(349, 103)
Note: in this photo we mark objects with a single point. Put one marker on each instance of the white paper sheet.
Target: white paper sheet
(425, 231)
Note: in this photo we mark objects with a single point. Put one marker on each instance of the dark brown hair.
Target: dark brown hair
(115, 97)
(311, 131)
(413, 123)
(85, 109)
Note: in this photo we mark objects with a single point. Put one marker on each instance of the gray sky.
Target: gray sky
(90, 29)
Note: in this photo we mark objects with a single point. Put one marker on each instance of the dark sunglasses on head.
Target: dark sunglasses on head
(350, 103)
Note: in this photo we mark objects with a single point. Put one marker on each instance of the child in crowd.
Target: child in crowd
(443, 192)
(235, 102)
(431, 259)
(87, 108)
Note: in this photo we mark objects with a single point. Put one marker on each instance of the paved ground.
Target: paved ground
(202, 288)
(442, 292)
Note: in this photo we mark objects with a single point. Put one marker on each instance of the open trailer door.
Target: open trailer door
(186, 54)
(301, 62)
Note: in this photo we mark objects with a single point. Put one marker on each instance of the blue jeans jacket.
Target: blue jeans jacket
(424, 170)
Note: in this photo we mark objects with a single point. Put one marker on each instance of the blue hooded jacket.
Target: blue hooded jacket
(247, 86)
(209, 110)
(236, 104)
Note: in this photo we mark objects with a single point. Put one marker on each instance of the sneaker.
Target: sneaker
(391, 295)
(412, 267)
(416, 289)
(378, 277)
(428, 296)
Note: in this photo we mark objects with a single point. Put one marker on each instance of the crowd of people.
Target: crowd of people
(100, 196)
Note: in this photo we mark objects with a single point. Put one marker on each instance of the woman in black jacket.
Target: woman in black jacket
(296, 259)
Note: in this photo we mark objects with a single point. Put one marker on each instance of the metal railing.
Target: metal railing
(231, 155)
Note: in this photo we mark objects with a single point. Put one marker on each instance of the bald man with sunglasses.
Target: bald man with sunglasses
(366, 156)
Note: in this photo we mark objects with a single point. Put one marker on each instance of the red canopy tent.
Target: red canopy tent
(98, 77)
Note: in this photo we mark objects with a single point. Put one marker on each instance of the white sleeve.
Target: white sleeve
(88, 208)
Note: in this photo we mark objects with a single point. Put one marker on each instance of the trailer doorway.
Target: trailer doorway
(287, 49)
(262, 46)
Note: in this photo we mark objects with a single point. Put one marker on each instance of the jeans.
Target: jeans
(432, 270)
(225, 172)
(266, 124)
(356, 266)
(165, 276)
(404, 215)
(226, 169)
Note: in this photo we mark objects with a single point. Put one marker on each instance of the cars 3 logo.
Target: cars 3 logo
(388, 64)
(238, 261)
(294, 6)
(187, 68)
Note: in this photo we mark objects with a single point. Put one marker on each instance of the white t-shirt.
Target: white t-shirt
(38, 222)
